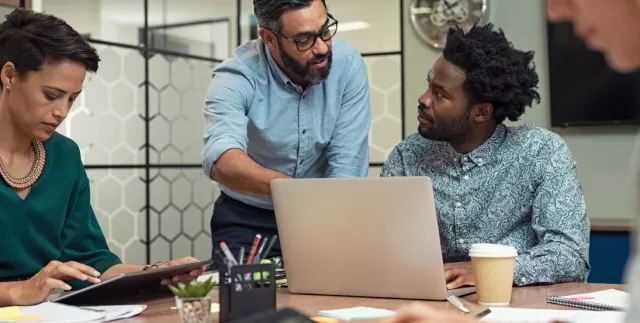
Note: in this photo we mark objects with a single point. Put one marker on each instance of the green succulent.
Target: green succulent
(193, 289)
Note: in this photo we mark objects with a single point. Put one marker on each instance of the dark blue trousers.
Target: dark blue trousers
(237, 224)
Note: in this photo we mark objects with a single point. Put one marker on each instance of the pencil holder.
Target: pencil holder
(246, 290)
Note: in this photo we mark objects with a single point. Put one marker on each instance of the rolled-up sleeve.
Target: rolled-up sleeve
(230, 92)
(560, 222)
(348, 150)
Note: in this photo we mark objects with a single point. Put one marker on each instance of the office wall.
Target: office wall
(602, 153)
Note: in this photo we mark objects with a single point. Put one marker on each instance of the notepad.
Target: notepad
(606, 300)
(357, 313)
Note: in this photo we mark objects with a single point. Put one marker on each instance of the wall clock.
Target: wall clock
(432, 18)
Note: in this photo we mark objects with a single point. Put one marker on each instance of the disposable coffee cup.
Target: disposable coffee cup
(493, 268)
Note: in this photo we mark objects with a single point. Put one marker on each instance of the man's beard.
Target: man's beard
(307, 73)
(446, 131)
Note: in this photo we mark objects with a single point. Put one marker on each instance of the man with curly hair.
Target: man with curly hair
(493, 183)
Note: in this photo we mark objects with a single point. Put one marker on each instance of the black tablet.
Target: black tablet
(126, 284)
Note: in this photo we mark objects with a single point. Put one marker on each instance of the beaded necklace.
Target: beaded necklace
(34, 172)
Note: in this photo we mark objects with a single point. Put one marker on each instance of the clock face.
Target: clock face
(433, 18)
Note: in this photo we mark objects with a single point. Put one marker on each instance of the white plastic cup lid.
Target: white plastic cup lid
(492, 250)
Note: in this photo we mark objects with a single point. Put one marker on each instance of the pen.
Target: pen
(254, 248)
(228, 253)
(265, 255)
(241, 255)
(453, 299)
(220, 256)
(256, 260)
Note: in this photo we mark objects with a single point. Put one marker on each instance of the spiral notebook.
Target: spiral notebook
(606, 300)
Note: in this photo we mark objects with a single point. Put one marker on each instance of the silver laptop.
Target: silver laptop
(369, 237)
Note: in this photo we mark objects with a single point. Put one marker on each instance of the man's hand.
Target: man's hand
(458, 274)
(52, 276)
(186, 277)
(419, 313)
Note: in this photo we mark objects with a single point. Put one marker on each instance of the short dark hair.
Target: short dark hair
(28, 39)
(268, 12)
(496, 72)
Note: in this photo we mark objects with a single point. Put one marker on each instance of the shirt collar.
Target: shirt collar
(489, 149)
(483, 154)
(275, 69)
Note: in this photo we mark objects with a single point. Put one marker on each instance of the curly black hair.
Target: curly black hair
(496, 72)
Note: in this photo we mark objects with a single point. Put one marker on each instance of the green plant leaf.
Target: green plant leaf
(174, 290)
(193, 289)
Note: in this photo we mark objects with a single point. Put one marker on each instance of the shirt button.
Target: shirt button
(461, 240)
(524, 280)
(304, 131)
(465, 159)
(466, 177)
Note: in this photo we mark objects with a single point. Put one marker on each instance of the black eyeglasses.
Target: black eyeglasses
(307, 42)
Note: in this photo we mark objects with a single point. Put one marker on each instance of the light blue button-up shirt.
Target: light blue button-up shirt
(320, 131)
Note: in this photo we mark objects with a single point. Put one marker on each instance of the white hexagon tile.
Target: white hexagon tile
(181, 206)
(106, 119)
(118, 199)
(177, 121)
(386, 105)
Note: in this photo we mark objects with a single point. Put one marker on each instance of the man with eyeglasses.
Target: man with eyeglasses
(292, 104)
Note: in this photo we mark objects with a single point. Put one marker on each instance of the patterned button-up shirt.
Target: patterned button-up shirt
(519, 188)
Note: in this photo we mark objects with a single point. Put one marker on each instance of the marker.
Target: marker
(256, 260)
(241, 255)
(270, 246)
(254, 248)
(228, 253)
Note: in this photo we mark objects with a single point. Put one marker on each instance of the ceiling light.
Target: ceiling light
(353, 25)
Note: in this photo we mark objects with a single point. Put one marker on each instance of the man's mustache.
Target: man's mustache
(421, 109)
(319, 58)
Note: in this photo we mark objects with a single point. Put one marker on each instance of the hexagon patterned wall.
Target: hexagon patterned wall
(385, 92)
(108, 123)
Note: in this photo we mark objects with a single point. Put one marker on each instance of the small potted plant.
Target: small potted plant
(193, 301)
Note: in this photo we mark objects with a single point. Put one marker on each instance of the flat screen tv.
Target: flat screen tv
(583, 89)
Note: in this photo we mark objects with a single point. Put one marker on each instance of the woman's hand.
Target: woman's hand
(186, 277)
(52, 276)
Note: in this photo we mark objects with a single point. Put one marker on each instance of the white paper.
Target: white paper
(357, 313)
(203, 278)
(517, 315)
(118, 312)
(60, 313)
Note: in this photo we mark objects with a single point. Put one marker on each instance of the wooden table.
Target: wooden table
(160, 310)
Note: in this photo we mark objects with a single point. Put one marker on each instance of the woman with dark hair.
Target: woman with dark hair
(50, 236)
